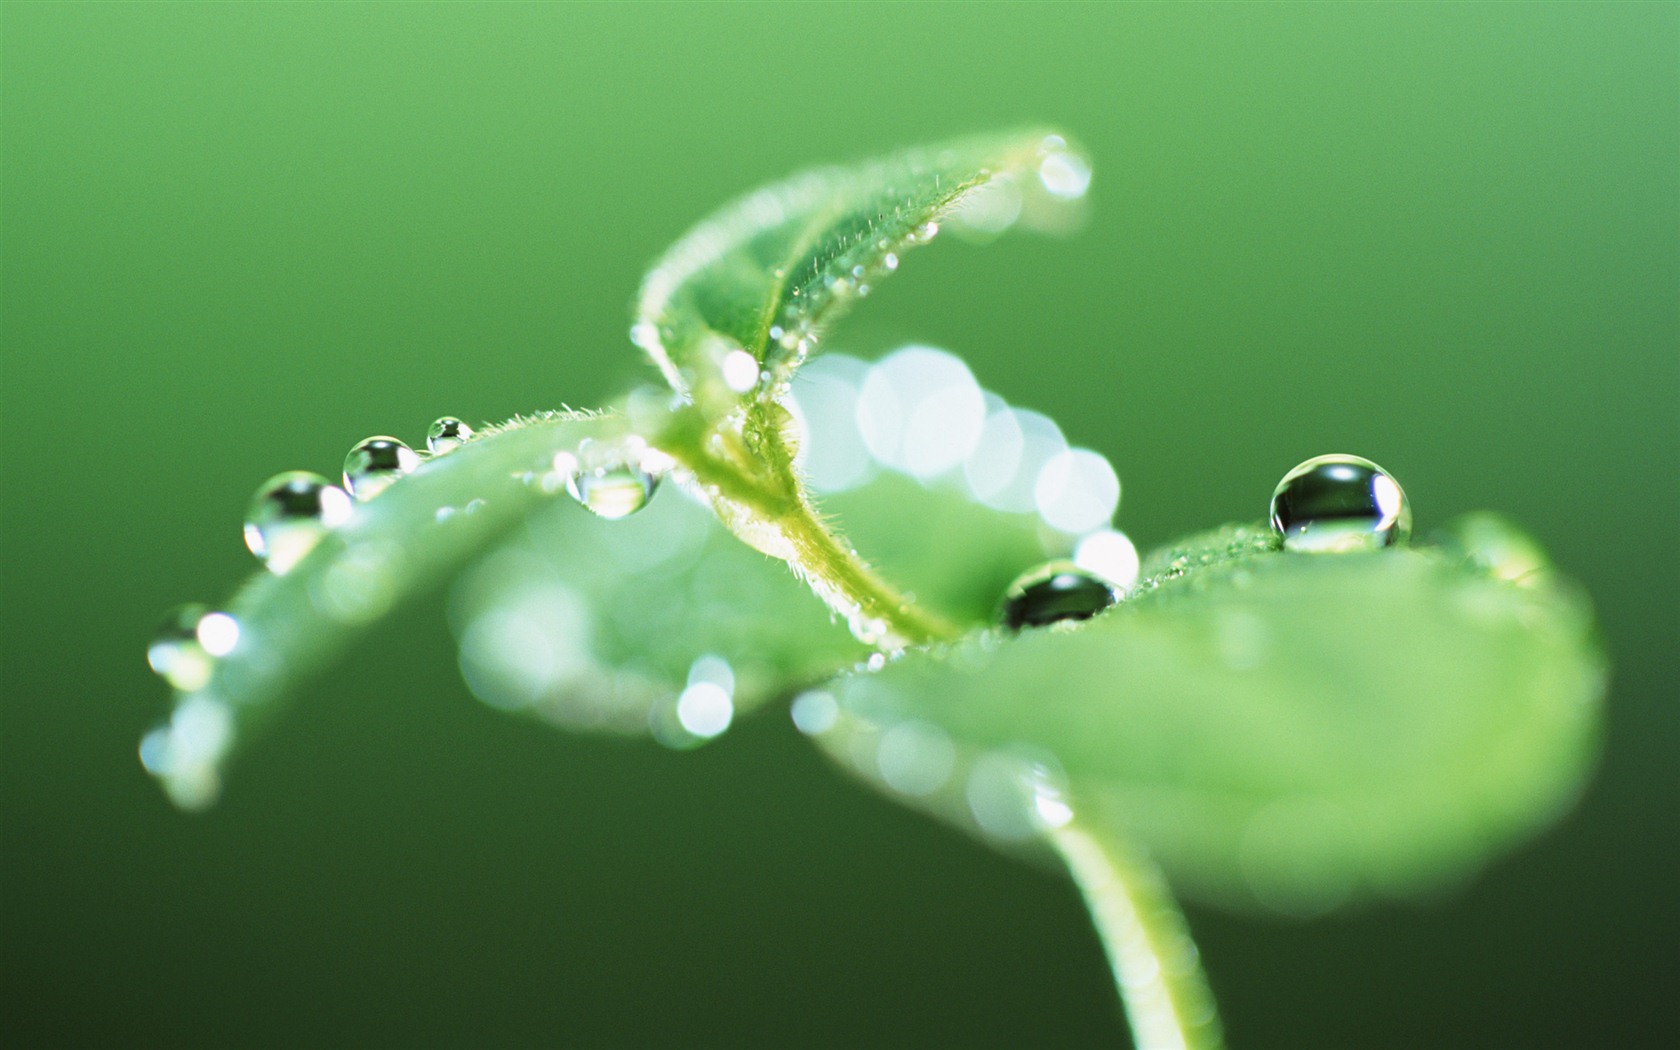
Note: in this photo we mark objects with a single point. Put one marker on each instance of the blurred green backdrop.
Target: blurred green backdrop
(239, 238)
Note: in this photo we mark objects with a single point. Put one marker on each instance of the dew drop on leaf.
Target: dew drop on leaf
(375, 463)
(447, 433)
(1339, 503)
(1053, 592)
(290, 513)
(175, 653)
(611, 479)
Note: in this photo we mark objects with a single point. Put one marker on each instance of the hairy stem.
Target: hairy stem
(1156, 966)
(760, 482)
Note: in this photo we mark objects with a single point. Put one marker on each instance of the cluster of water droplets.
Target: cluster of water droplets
(287, 518)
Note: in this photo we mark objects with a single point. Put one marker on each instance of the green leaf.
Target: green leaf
(1282, 730)
(766, 274)
(586, 622)
(734, 307)
(402, 542)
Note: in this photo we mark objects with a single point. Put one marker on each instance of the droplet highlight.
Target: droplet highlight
(610, 480)
(447, 434)
(374, 464)
(1053, 593)
(175, 653)
(290, 514)
(1340, 503)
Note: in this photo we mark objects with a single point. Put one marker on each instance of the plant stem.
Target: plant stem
(1156, 966)
(765, 488)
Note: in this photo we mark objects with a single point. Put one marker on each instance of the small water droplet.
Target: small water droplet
(447, 433)
(175, 653)
(1054, 592)
(289, 515)
(218, 633)
(815, 712)
(1340, 503)
(610, 480)
(374, 464)
(740, 371)
(1065, 174)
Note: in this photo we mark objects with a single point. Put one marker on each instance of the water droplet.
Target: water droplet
(1065, 174)
(218, 633)
(446, 434)
(1111, 555)
(705, 709)
(610, 480)
(289, 515)
(1340, 503)
(915, 758)
(374, 464)
(740, 371)
(815, 712)
(1053, 592)
(175, 653)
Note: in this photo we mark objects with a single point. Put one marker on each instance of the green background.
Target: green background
(239, 238)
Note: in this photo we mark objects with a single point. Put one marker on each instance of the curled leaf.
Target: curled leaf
(752, 288)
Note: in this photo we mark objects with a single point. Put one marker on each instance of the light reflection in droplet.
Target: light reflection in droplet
(1111, 555)
(1065, 175)
(714, 670)
(989, 209)
(826, 393)
(815, 712)
(1040, 441)
(218, 633)
(1077, 491)
(186, 752)
(920, 411)
(705, 710)
(915, 758)
(740, 371)
(999, 798)
(523, 649)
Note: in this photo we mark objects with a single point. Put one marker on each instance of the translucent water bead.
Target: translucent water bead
(1053, 592)
(375, 463)
(290, 513)
(611, 479)
(187, 644)
(447, 433)
(1338, 503)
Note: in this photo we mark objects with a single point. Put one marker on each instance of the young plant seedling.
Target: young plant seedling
(1285, 715)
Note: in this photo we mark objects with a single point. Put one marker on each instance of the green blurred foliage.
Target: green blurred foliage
(238, 239)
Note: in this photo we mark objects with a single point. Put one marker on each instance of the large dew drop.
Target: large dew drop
(289, 515)
(1340, 503)
(611, 480)
(446, 434)
(1053, 592)
(374, 464)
